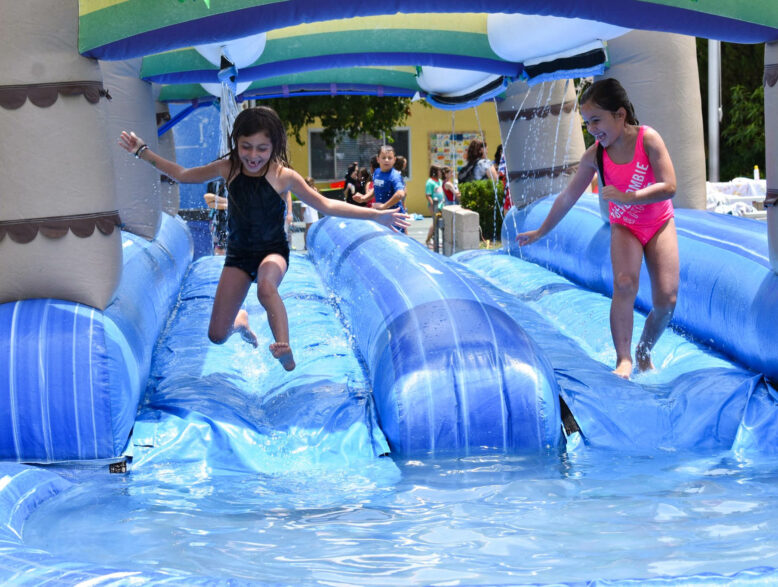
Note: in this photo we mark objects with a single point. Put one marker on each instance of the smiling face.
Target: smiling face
(254, 152)
(603, 125)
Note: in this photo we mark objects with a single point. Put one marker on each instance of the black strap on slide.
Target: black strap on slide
(599, 164)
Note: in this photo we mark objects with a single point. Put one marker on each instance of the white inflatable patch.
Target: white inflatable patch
(241, 52)
(445, 81)
(216, 89)
(524, 37)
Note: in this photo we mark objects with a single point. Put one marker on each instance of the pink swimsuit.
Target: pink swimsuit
(642, 220)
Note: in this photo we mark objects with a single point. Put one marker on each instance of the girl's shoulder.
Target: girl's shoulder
(652, 139)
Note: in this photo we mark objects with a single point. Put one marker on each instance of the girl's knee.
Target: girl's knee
(625, 284)
(216, 336)
(266, 290)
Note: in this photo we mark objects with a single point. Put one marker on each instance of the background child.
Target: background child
(351, 185)
(434, 192)
(217, 204)
(310, 214)
(450, 189)
(639, 183)
(256, 172)
(388, 186)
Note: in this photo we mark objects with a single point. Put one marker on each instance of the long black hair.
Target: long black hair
(250, 122)
(610, 95)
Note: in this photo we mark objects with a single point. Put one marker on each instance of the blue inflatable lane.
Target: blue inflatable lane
(695, 399)
(73, 375)
(233, 407)
(451, 371)
(728, 296)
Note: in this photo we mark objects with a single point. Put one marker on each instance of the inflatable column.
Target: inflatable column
(542, 139)
(137, 184)
(171, 196)
(58, 214)
(771, 147)
(659, 72)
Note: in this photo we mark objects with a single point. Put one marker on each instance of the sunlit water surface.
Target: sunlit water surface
(479, 520)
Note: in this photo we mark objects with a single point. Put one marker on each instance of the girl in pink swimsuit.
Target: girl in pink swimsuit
(639, 184)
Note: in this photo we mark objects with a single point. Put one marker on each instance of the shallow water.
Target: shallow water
(479, 520)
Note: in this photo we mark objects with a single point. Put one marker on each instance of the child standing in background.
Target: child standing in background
(256, 172)
(388, 186)
(434, 192)
(638, 183)
(450, 189)
(310, 214)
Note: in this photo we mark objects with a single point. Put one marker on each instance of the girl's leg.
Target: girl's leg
(226, 314)
(430, 232)
(663, 269)
(626, 257)
(271, 272)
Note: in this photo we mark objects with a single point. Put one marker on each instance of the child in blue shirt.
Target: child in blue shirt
(388, 185)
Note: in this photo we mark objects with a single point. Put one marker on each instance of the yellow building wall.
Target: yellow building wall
(422, 122)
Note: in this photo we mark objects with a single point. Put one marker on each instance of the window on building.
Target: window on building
(331, 163)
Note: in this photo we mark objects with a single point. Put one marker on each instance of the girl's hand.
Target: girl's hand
(130, 142)
(289, 219)
(527, 238)
(394, 219)
(613, 194)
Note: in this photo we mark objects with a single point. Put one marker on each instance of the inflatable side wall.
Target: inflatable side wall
(541, 132)
(58, 213)
(771, 147)
(132, 108)
(74, 375)
(724, 261)
(451, 372)
(659, 72)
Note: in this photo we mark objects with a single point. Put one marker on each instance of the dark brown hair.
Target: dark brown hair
(250, 122)
(609, 95)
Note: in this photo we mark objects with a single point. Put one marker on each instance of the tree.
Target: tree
(352, 115)
(742, 97)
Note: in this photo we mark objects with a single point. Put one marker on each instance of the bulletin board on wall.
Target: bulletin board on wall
(449, 148)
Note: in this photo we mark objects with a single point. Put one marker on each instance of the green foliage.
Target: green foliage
(743, 133)
(481, 196)
(352, 115)
(741, 66)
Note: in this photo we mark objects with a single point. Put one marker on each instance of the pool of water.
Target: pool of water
(491, 519)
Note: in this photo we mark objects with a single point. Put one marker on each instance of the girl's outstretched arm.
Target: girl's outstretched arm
(565, 200)
(288, 179)
(134, 145)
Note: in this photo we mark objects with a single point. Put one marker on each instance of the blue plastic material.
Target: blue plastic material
(728, 296)
(695, 400)
(451, 371)
(76, 374)
(220, 405)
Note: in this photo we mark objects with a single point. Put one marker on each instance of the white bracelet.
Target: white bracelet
(140, 150)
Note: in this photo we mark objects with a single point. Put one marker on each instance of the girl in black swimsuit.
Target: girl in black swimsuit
(256, 172)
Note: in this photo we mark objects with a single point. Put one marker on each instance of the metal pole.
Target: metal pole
(714, 107)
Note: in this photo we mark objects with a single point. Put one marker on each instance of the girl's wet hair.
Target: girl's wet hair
(250, 122)
(435, 171)
(609, 95)
(383, 148)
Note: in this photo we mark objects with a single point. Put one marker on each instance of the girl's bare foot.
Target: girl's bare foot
(643, 356)
(283, 352)
(623, 368)
(241, 325)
